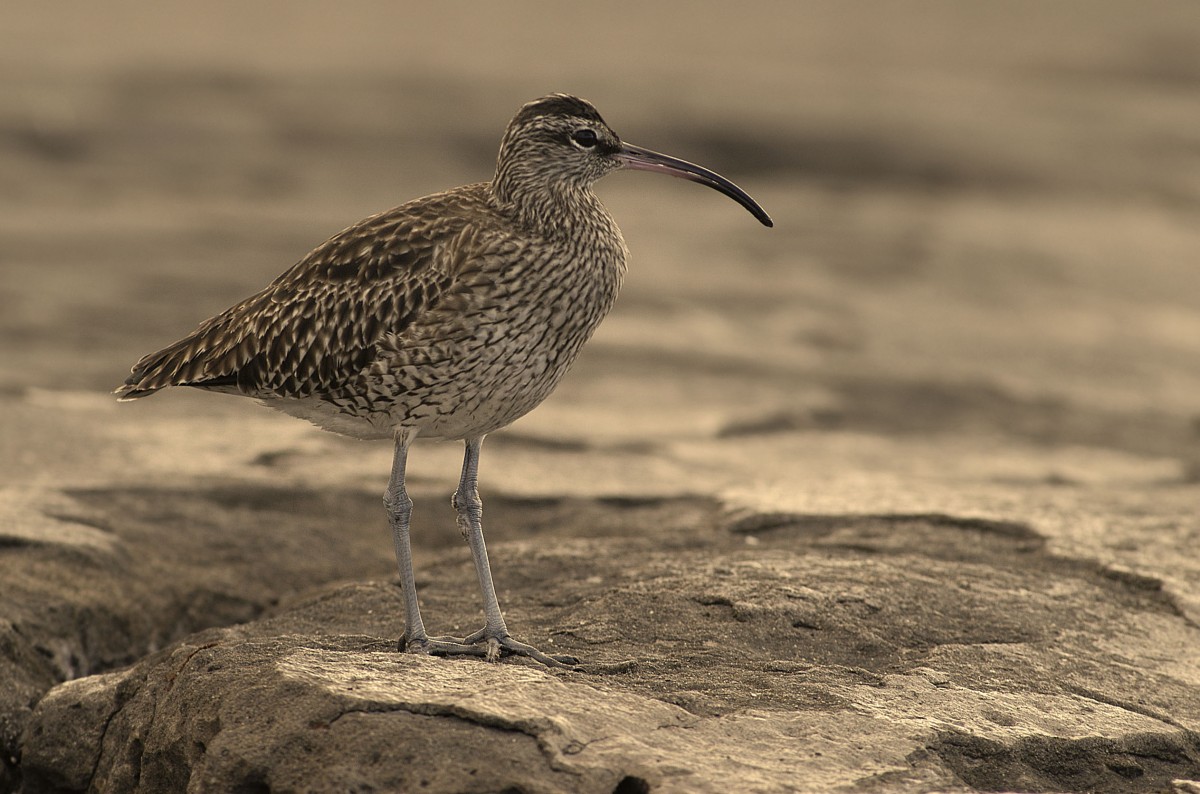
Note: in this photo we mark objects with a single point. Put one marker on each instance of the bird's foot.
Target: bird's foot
(492, 645)
(441, 646)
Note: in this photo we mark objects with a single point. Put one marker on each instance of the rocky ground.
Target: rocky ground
(897, 496)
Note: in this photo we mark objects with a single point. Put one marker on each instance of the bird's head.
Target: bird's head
(560, 144)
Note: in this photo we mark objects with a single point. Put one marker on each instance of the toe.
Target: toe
(521, 649)
(491, 646)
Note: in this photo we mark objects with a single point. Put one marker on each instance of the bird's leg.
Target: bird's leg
(470, 516)
(399, 510)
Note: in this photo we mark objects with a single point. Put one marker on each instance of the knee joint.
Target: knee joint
(399, 506)
(468, 505)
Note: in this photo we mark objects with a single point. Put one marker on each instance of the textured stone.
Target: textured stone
(789, 662)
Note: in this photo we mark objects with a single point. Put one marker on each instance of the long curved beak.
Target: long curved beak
(639, 159)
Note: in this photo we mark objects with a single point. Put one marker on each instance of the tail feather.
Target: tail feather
(153, 373)
(128, 392)
(184, 363)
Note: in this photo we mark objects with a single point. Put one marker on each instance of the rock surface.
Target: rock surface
(899, 496)
(821, 652)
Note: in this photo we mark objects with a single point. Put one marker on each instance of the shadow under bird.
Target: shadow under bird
(448, 317)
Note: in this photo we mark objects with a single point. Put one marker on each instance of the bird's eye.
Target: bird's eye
(585, 138)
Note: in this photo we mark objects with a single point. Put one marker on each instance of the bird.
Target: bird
(448, 317)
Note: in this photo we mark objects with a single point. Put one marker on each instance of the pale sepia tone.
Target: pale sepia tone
(897, 495)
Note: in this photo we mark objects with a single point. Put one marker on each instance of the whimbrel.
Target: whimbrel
(448, 317)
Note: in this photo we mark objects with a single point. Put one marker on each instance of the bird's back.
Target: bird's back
(314, 327)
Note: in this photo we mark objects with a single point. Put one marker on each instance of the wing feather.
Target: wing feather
(314, 329)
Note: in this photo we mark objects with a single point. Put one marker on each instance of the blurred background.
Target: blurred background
(987, 214)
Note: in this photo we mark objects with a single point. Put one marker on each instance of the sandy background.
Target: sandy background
(981, 297)
(991, 196)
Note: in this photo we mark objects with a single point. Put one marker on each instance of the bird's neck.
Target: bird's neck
(549, 208)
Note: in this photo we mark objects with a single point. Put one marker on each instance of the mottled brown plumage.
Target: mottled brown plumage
(447, 317)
